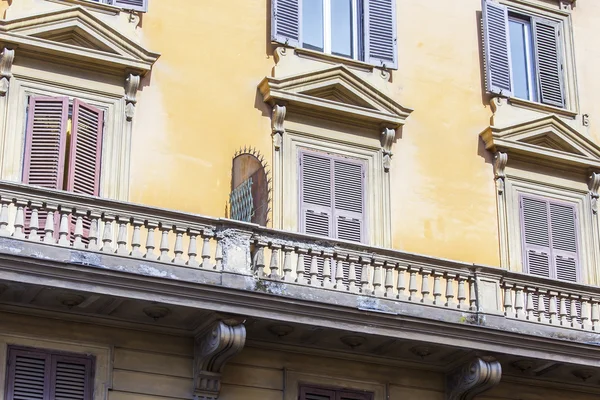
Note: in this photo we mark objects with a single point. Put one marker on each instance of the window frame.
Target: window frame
(532, 78)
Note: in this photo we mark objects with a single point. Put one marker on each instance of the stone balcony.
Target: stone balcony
(134, 251)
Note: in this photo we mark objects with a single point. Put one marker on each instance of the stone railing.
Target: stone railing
(135, 231)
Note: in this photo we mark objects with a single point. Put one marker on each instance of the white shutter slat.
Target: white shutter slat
(546, 36)
(285, 22)
(496, 48)
(536, 236)
(564, 241)
(315, 194)
(380, 33)
(349, 200)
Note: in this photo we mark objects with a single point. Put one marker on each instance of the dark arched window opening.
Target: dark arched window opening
(249, 198)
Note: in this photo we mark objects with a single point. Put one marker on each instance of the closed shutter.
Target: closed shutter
(285, 22)
(496, 49)
(315, 194)
(349, 200)
(549, 233)
(307, 393)
(137, 5)
(71, 378)
(563, 220)
(28, 375)
(380, 33)
(548, 60)
(86, 149)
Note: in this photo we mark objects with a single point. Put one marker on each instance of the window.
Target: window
(524, 55)
(136, 5)
(362, 30)
(332, 193)
(249, 197)
(63, 145)
(550, 240)
(35, 374)
(315, 393)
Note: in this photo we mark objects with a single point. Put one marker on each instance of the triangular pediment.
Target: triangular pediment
(548, 138)
(73, 32)
(335, 91)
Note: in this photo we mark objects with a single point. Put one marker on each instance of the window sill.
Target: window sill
(541, 107)
(101, 7)
(334, 60)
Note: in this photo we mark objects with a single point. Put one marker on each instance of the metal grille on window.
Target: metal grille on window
(241, 202)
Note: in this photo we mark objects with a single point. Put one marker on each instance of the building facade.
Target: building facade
(299, 199)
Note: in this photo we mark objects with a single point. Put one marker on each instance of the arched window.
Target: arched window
(249, 198)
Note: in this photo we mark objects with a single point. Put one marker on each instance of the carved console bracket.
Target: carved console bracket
(7, 56)
(213, 348)
(132, 84)
(500, 161)
(594, 185)
(473, 378)
(388, 135)
(277, 128)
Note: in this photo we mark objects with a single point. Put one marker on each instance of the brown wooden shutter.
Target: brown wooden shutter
(28, 375)
(71, 378)
(316, 194)
(308, 393)
(563, 220)
(45, 141)
(548, 59)
(86, 149)
(496, 48)
(535, 233)
(349, 202)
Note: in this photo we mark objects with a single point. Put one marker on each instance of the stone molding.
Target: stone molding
(473, 378)
(212, 350)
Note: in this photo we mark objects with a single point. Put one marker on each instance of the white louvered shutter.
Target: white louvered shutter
(548, 60)
(535, 233)
(285, 21)
(349, 197)
(316, 194)
(380, 33)
(496, 48)
(563, 220)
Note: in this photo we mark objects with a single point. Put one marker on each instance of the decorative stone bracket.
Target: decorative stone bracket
(473, 378)
(500, 161)
(212, 349)
(7, 57)
(132, 84)
(277, 128)
(594, 185)
(387, 139)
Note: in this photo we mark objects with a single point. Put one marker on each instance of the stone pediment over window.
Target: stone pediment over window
(334, 93)
(547, 140)
(75, 36)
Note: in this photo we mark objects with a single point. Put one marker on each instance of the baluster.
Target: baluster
(401, 282)
(529, 308)
(327, 270)
(364, 273)
(165, 229)
(508, 301)
(50, 225)
(553, 308)
(206, 236)
(389, 278)
(94, 231)
(472, 295)
(437, 288)
(300, 278)
(563, 316)
(339, 272)
(412, 283)
(107, 236)
(462, 293)
(20, 220)
(352, 286)
(585, 313)
(314, 268)
(63, 228)
(193, 248)
(4, 203)
(219, 252)
(541, 310)
(377, 277)
(178, 249)
(136, 238)
(425, 286)
(122, 235)
(450, 291)
(78, 232)
(34, 221)
(274, 263)
(259, 258)
(574, 317)
(595, 315)
(519, 302)
(150, 241)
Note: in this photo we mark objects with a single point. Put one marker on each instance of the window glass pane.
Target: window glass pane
(524, 85)
(341, 27)
(312, 24)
